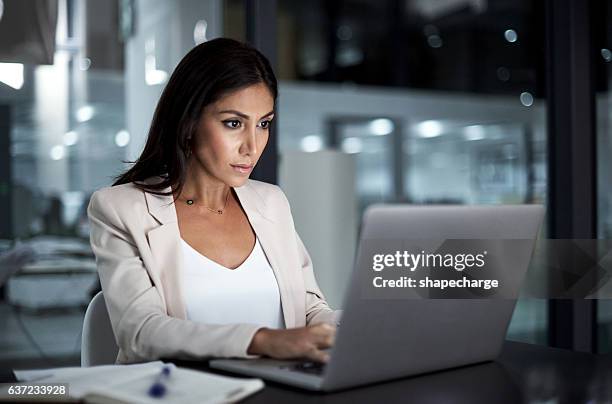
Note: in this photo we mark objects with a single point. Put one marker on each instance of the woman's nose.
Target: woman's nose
(249, 145)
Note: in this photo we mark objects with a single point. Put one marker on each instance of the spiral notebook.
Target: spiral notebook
(131, 384)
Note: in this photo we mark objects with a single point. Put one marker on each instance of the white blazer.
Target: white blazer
(136, 240)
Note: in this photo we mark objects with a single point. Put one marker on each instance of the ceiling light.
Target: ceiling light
(381, 126)
(352, 145)
(71, 138)
(84, 64)
(57, 152)
(526, 98)
(11, 74)
(122, 138)
(428, 129)
(511, 35)
(199, 32)
(153, 76)
(311, 143)
(474, 132)
(85, 113)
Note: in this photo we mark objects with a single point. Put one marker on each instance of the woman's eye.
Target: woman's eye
(265, 124)
(232, 123)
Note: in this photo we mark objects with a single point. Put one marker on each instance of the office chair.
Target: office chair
(98, 346)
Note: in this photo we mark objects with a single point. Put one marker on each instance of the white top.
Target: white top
(215, 294)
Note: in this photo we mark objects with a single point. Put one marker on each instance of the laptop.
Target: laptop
(385, 339)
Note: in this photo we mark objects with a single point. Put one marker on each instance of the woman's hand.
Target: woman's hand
(293, 343)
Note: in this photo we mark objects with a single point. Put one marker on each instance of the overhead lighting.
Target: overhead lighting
(11, 74)
(84, 113)
(57, 152)
(526, 98)
(606, 54)
(311, 143)
(349, 56)
(435, 41)
(474, 132)
(153, 76)
(429, 129)
(503, 74)
(344, 32)
(199, 32)
(122, 138)
(381, 126)
(510, 35)
(71, 138)
(84, 64)
(432, 34)
(352, 145)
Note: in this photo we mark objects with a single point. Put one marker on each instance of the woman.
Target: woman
(195, 259)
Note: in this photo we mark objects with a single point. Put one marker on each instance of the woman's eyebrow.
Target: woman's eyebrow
(240, 114)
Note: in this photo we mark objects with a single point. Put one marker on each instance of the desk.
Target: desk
(522, 373)
(59, 266)
(62, 275)
(56, 282)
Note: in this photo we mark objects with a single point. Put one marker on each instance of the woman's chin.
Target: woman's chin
(237, 182)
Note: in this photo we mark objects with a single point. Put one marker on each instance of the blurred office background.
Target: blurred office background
(411, 101)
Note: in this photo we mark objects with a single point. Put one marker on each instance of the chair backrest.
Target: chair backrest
(98, 346)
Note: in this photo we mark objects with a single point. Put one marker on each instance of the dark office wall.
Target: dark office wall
(458, 48)
(6, 212)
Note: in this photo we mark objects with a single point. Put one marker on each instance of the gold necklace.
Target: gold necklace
(217, 211)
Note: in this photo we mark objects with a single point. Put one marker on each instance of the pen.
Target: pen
(158, 388)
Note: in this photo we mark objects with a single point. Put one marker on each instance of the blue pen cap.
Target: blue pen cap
(158, 388)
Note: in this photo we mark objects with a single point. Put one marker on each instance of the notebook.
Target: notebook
(131, 384)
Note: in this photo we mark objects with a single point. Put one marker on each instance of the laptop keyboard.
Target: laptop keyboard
(313, 368)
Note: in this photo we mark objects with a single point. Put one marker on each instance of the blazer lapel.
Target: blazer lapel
(264, 228)
(166, 251)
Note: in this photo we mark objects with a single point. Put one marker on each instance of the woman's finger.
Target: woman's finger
(324, 336)
(317, 355)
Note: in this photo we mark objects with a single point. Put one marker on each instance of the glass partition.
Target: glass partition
(80, 83)
(410, 102)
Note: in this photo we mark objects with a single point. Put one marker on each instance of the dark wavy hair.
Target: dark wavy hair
(208, 72)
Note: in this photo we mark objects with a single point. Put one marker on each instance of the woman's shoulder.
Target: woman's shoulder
(123, 197)
(120, 192)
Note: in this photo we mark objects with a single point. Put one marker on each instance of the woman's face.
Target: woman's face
(232, 134)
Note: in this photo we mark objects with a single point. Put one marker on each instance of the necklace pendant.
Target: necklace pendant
(220, 212)
(189, 201)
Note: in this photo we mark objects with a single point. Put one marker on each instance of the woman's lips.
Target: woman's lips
(242, 168)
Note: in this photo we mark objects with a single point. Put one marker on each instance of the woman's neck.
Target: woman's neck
(204, 190)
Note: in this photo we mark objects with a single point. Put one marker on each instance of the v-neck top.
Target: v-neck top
(215, 294)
